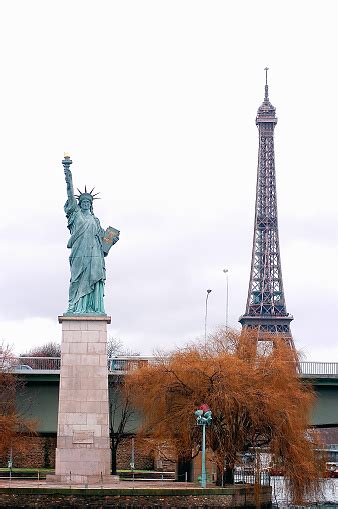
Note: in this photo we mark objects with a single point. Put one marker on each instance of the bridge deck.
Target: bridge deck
(121, 365)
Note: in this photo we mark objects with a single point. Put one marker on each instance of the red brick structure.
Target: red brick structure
(41, 454)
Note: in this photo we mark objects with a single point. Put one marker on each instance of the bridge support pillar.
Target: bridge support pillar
(83, 449)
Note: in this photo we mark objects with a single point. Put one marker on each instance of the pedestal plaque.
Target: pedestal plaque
(83, 450)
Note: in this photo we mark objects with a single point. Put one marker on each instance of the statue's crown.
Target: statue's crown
(88, 196)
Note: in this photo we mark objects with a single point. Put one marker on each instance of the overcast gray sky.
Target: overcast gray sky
(156, 103)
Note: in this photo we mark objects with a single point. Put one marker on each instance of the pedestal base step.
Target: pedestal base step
(81, 479)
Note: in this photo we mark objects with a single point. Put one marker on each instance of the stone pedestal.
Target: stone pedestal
(83, 450)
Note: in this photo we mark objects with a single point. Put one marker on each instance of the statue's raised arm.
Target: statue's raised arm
(89, 244)
(69, 178)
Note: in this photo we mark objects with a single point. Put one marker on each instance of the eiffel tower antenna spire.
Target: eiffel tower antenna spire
(266, 98)
(265, 308)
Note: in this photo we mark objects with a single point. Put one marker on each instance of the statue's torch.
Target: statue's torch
(66, 162)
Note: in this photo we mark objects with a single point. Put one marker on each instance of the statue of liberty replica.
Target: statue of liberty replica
(89, 245)
(83, 448)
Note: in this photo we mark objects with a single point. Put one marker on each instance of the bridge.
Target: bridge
(124, 364)
(42, 375)
(51, 365)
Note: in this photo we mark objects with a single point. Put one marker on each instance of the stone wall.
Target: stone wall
(144, 459)
(120, 498)
(40, 453)
(148, 456)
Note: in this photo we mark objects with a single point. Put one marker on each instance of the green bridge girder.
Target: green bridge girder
(39, 400)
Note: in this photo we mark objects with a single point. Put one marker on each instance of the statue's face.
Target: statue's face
(85, 204)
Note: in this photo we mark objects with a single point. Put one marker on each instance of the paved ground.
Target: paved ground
(33, 483)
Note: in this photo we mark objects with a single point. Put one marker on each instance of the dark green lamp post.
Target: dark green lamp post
(204, 418)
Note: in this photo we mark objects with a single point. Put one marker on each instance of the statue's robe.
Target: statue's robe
(87, 265)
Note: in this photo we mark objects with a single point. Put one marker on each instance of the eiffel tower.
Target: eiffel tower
(265, 308)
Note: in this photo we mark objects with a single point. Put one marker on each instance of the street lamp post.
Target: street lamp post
(206, 317)
(226, 272)
(204, 418)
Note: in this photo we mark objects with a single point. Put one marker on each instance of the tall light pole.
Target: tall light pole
(206, 316)
(204, 418)
(226, 272)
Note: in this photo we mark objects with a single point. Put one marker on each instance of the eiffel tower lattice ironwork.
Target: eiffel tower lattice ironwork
(265, 308)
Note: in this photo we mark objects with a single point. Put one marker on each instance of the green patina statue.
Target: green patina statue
(89, 244)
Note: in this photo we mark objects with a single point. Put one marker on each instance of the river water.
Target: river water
(328, 500)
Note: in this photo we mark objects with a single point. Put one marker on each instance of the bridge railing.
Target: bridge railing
(306, 368)
(319, 368)
(117, 364)
(125, 364)
(27, 364)
(129, 363)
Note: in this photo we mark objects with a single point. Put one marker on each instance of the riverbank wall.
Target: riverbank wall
(232, 497)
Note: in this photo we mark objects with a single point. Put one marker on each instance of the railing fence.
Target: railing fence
(124, 364)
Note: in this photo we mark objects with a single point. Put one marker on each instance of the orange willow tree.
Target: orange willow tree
(14, 425)
(256, 397)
